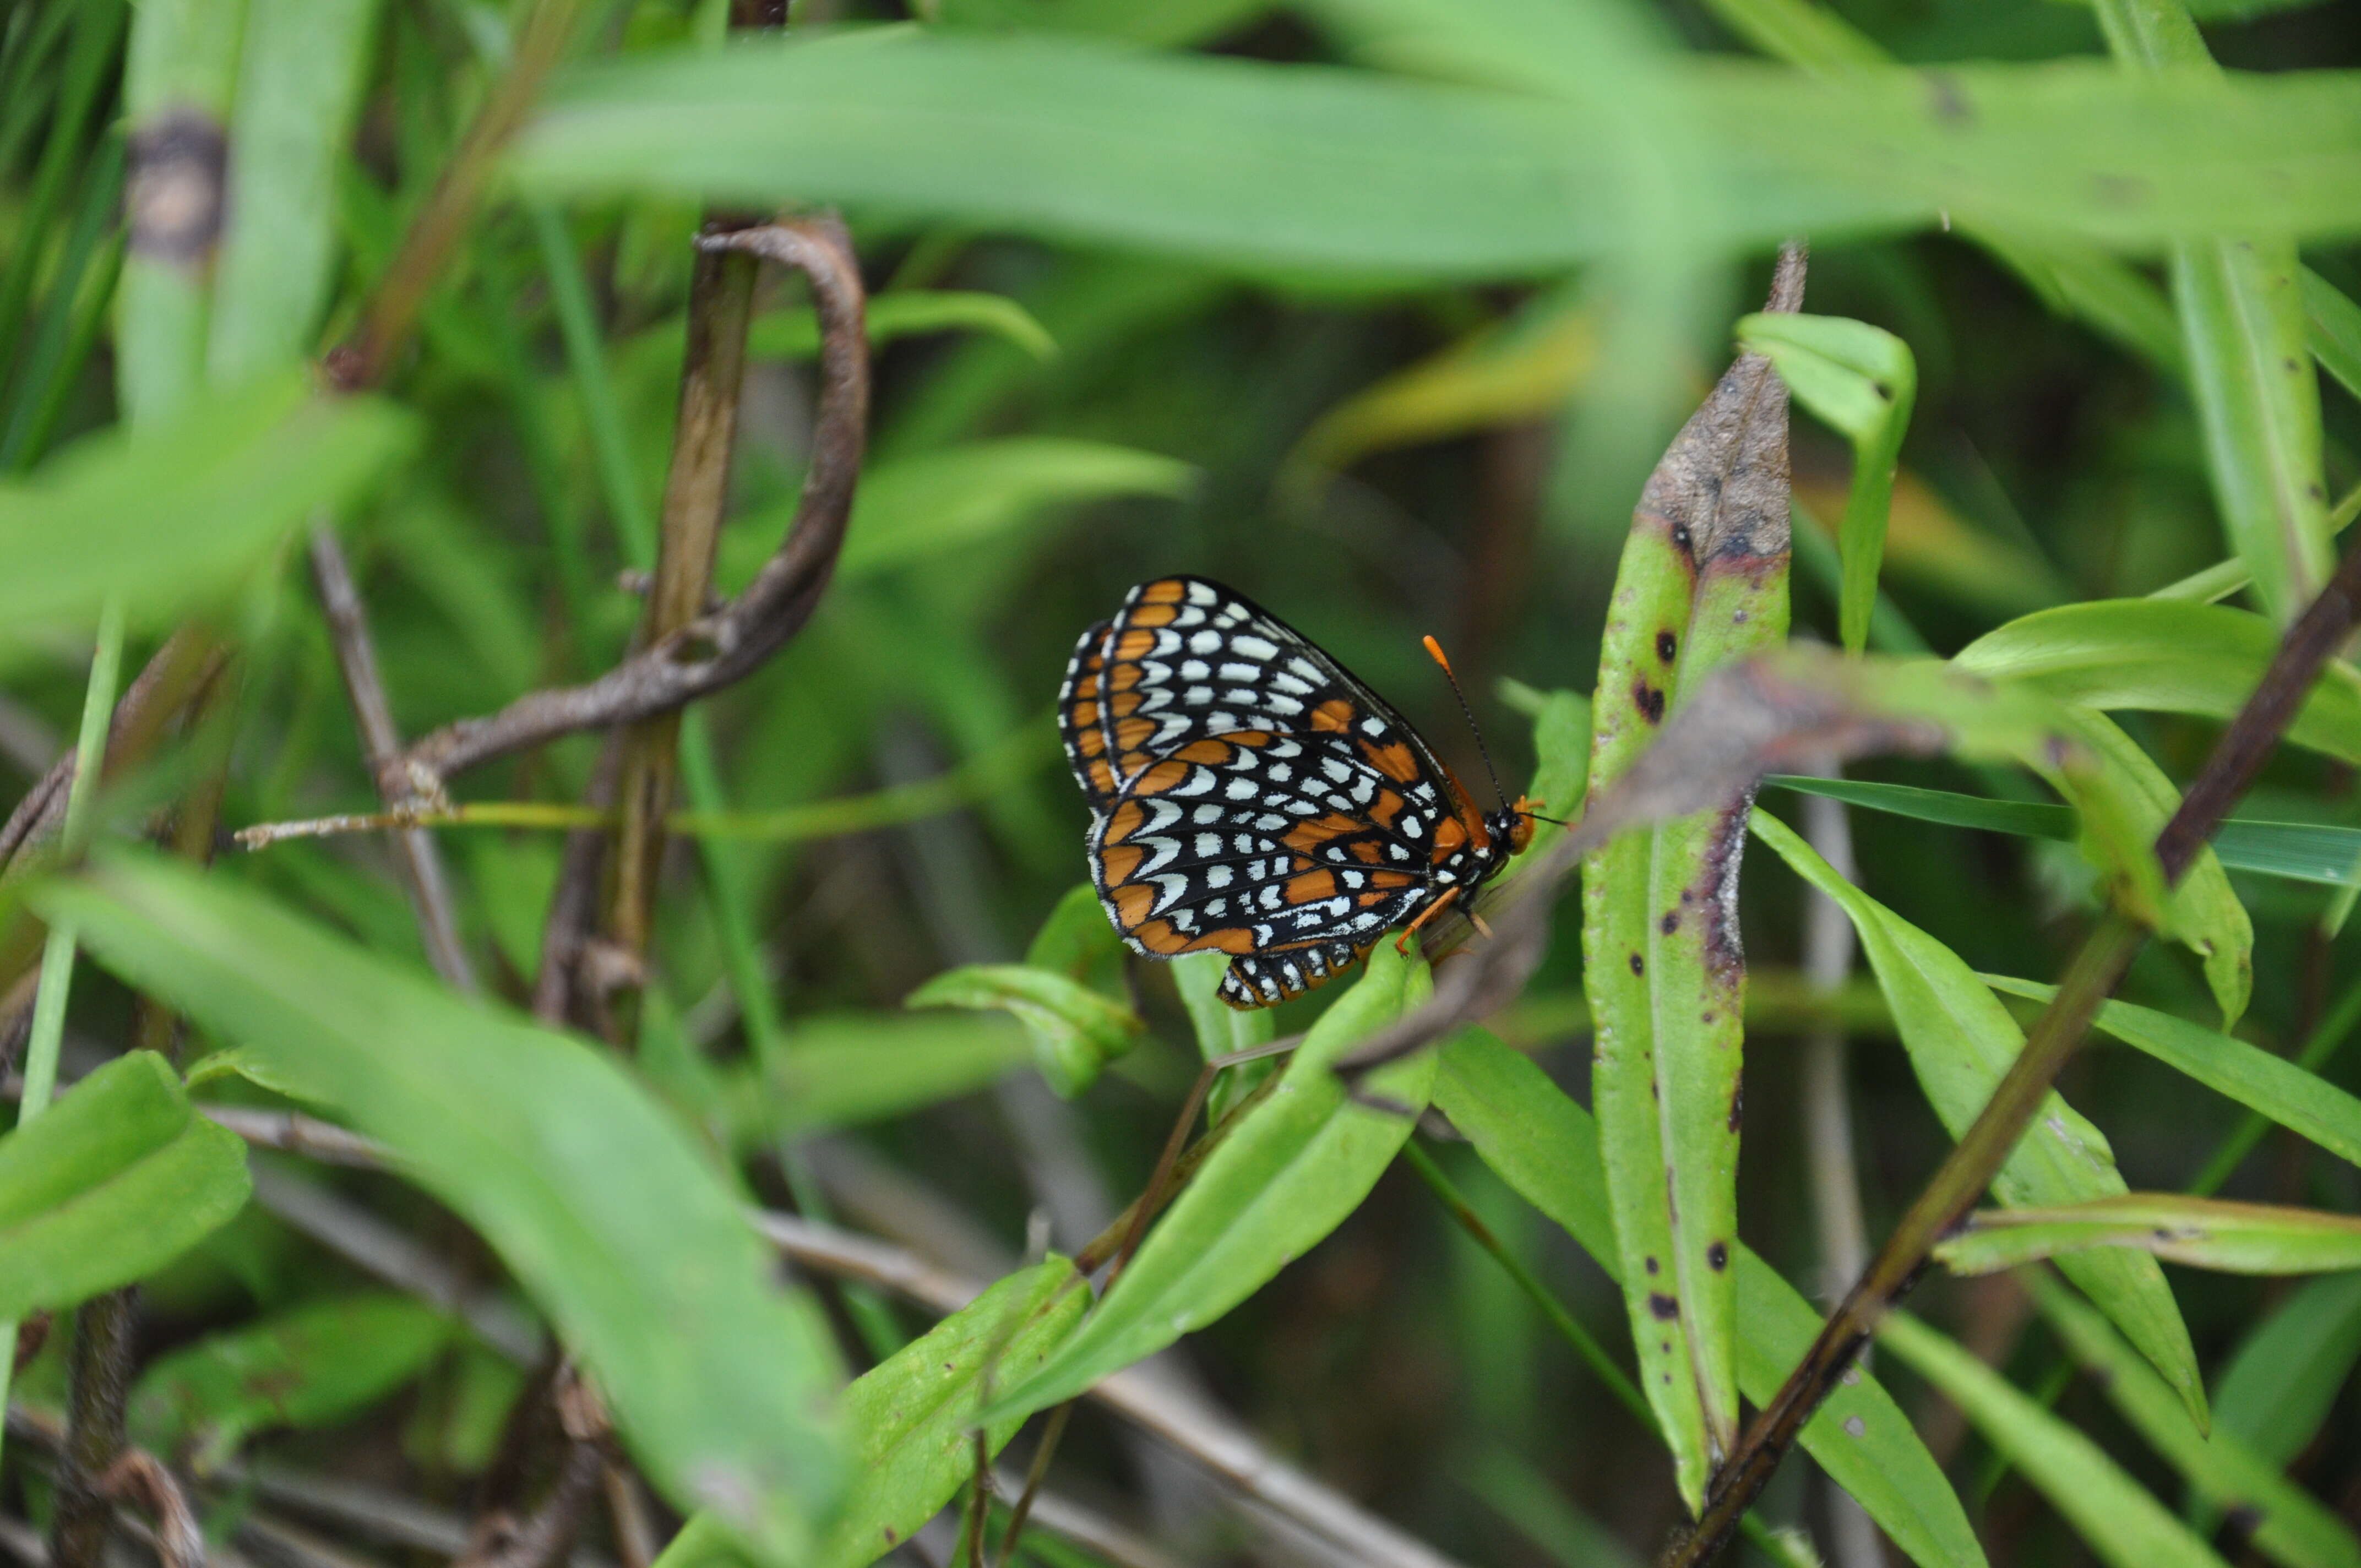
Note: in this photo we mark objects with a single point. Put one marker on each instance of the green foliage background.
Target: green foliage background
(1381, 311)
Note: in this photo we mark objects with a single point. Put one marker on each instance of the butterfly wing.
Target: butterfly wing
(1248, 794)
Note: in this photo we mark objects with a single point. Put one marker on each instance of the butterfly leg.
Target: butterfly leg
(1402, 943)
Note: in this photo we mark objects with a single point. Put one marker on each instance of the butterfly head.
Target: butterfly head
(1513, 826)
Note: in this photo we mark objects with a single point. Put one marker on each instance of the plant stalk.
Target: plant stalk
(58, 953)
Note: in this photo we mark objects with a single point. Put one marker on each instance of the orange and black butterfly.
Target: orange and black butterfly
(1249, 796)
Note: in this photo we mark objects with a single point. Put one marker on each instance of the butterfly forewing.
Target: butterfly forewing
(1249, 795)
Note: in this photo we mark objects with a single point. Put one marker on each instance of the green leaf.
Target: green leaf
(169, 516)
(180, 64)
(1075, 1030)
(1311, 166)
(1078, 940)
(1702, 583)
(2285, 1373)
(320, 1363)
(910, 1420)
(1961, 1041)
(2301, 852)
(1286, 1176)
(300, 68)
(1862, 380)
(916, 508)
(1518, 370)
(2249, 357)
(2124, 1526)
(118, 1179)
(595, 1197)
(2335, 324)
(2203, 1233)
(794, 333)
(240, 1062)
(1221, 1030)
(2302, 1101)
(2288, 1523)
(2248, 362)
(840, 1069)
(1545, 1146)
(2165, 655)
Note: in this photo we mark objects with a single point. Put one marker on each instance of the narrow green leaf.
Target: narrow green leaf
(2203, 1233)
(1519, 368)
(1547, 1147)
(1305, 165)
(909, 1421)
(2287, 1522)
(114, 1182)
(1702, 583)
(2165, 655)
(1863, 380)
(2302, 1101)
(2303, 851)
(844, 1068)
(314, 1365)
(2242, 317)
(1288, 1174)
(301, 64)
(2124, 1525)
(2249, 364)
(917, 508)
(169, 516)
(1961, 1041)
(2290, 1368)
(2335, 323)
(594, 1196)
(794, 333)
(1075, 1030)
(180, 75)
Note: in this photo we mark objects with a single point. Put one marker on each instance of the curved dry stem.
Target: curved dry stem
(717, 649)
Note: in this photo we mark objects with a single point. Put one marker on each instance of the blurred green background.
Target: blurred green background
(1376, 453)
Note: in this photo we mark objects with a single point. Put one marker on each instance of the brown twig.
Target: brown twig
(2238, 757)
(696, 493)
(574, 903)
(140, 1478)
(725, 645)
(98, 1381)
(547, 1536)
(136, 1476)
(427, 248)
(420, 856)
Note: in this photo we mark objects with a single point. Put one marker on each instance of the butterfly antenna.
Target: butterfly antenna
(1435, 651)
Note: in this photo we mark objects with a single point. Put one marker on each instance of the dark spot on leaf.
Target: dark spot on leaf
(1651, 701)
(2120, 189)
(890, 1536)
(1651, 1266)
(1666, 646)
(1716, 1255)
(1737, 1106)
(1637, 967)
(1670, 923)
(2290, 365)
(1950, 107)
(1706, 1017)
(1663, 1306)
(172, 194)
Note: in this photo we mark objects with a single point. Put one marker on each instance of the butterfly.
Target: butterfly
(1248, 795)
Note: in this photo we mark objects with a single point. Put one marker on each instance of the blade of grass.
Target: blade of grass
(48, 1032)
